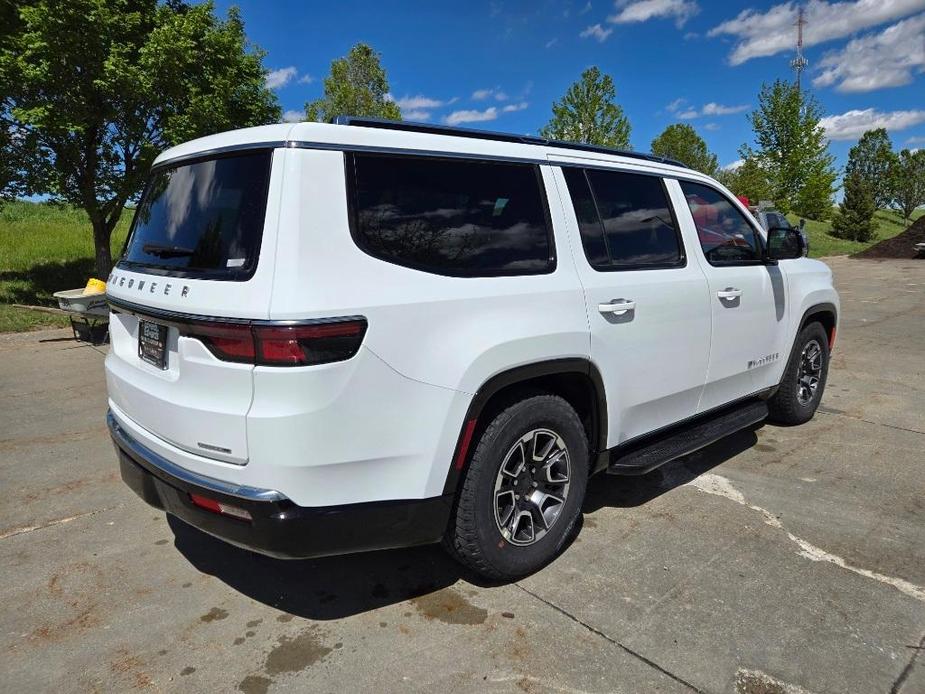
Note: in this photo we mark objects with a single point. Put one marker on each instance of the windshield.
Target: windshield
(202, 219)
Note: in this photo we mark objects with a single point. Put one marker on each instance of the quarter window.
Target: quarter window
(625, 220)
(725, 235)
(450, 216)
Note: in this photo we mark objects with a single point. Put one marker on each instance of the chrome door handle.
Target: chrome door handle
(729, 293)
(617, 307)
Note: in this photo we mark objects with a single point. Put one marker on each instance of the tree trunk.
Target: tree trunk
(102, 233)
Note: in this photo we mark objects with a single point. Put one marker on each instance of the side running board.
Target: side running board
(644, 457)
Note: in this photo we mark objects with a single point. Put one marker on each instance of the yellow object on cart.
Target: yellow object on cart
(94, 286)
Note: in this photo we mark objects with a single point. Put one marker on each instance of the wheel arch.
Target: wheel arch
(824, 313)
(576, 380)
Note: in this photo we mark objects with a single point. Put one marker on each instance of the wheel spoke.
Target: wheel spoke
(540, 453)
(522, 528)
(515, 462)
(504, 503)
(553, 471)
(547, 507)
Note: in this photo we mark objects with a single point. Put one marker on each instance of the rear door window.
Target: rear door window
(456, 217)
(625, 220)
(202, 219)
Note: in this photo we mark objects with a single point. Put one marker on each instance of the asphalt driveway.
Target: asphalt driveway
(778, 560)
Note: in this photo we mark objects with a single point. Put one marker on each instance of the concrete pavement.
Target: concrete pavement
(778, 560)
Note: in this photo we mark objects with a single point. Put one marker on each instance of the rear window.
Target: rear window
(202, 219)
(625, 220)
(456, 217)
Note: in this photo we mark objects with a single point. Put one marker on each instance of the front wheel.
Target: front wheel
(800, 390)
(523, 490)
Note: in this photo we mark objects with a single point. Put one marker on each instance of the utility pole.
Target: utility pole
(799, 63)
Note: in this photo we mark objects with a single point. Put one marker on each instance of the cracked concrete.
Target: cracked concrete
(778, 560)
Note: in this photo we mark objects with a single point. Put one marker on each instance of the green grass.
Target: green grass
(43, 249)
(822, 243)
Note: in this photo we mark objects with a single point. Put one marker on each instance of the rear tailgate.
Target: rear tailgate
(202, 246)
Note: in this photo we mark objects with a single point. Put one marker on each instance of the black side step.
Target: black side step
(638, 460)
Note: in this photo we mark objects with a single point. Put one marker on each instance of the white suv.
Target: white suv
(339, 337)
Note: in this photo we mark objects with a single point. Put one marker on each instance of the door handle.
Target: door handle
(729, 293)
(617, 307)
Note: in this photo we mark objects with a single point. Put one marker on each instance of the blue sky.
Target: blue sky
(500, 65)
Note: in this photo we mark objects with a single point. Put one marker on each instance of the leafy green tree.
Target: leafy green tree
(357, 86)
(588, 113)
(681, 142)
(908, 180)
(98, 87)
(749, 180)
(873, 159)
(790, 145)
(854, 219)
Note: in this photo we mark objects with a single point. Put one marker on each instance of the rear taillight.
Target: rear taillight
(281, 345)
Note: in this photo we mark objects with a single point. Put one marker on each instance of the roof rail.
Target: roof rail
(410, 126)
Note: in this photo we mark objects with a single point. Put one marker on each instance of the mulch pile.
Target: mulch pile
(900, 246)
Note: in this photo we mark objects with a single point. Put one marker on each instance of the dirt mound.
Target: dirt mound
(900, 246)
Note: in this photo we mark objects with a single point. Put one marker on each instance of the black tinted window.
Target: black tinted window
(625, 219)
(589, 223)
(205, 217)
(450, 216)
(725, 234)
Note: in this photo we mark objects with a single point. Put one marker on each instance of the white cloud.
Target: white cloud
(876, 61)
(631, 11)
(711, 126)
(416, 114)
(596, 31)
(852, 124)
(732, 166)
(280, 78)
(915, 140)
(585, 9)
(416, 103)
(552, 42)
(714, 109)
(306, 79)
(515, 107)
(293, 116)
(494, 93)
(768, 33)
(684, 111)
(471, 116)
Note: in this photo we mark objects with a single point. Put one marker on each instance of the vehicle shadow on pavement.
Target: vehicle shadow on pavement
(338, 587)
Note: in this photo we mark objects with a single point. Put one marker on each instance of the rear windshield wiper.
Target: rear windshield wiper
(163, 251)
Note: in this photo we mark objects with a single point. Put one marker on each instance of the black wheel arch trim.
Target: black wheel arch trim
(523, 374)
(815, 310)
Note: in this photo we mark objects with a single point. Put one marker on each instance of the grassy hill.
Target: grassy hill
(43, 249)
(822, 243)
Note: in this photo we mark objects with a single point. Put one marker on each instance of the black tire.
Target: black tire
(474, 536)
(790, 404)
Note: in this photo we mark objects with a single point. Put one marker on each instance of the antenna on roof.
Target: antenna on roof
(799, 63)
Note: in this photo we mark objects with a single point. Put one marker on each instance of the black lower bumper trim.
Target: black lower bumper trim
(284, 530)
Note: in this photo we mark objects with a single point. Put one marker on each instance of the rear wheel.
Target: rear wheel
(523, 490)
(801, 388)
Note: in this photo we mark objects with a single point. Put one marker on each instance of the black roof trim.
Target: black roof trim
(385, 124)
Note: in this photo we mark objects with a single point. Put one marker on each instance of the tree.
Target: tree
(681, 142)
(749, 179)
(854, 219)
(791, 147)
(908, 181)
(98, 87)
(588, 113)
(357, 86)
(873, 159)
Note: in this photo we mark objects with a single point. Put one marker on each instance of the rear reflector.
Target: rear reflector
(281, 345)
(219, 507)
(464, 444)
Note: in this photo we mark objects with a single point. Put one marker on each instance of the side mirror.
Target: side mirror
(785, 243)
